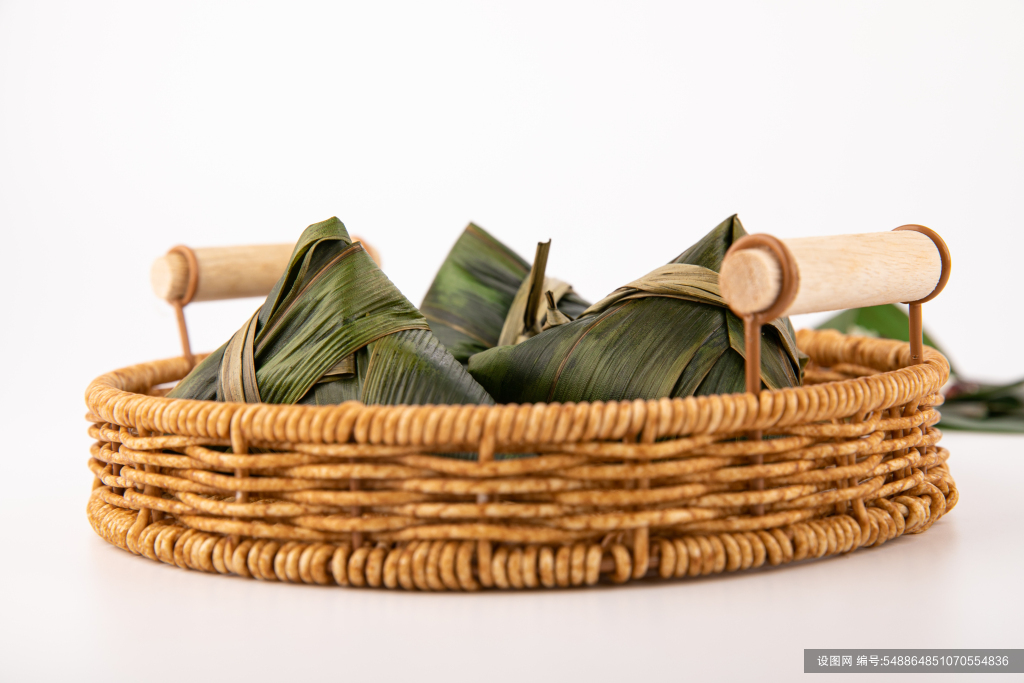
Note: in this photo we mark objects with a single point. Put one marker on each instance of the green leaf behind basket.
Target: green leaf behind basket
(969, 406)
(666, 334)
(984, 407)
(332, 303)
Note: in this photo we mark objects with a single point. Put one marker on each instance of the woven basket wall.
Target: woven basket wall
(358, 496)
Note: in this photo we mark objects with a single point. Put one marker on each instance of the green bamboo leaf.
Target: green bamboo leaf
(413, 368)
(335, 389)
(709, 251)
(674, 280)
(984, 407)
(777, 368)
(969, 406)
(203, 383)
(469, 300)
(311, 340)
(1004, 424)
(238, 372)
(1010, 395)
(666, 334)
(523, 320)
(709, 352)
(552, 316)
(726, 377)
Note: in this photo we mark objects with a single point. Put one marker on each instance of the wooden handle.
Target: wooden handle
(225, 272)
(833, 273)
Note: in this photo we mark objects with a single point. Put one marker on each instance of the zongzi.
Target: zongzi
(480, 296)
(334, 328)
(667, 334)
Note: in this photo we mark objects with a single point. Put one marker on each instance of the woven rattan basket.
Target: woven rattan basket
(353, 495)
(359, 495)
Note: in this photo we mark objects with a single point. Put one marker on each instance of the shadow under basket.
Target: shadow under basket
(361, 495)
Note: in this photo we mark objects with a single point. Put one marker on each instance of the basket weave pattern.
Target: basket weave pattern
(359, 495)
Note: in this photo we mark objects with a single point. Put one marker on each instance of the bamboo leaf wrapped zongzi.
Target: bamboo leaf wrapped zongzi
(666, 334)
(334, 328)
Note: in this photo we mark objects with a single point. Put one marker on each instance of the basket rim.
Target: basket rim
(113, 398)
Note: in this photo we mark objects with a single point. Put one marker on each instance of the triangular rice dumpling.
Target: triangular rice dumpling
(667, 334)
(334, 328)
(469, 304)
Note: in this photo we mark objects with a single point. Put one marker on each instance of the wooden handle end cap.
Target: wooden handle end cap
(169, 277)
(750, 281)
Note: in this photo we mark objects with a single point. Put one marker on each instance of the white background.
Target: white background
(622, 131)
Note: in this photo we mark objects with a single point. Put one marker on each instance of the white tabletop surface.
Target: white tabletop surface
(85, 611)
